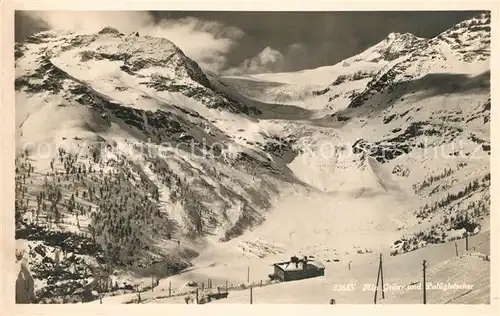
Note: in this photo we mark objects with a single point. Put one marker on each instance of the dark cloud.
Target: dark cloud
(303, 39)
(26, 25)
(328, 37)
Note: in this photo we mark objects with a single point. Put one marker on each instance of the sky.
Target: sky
(235, 43)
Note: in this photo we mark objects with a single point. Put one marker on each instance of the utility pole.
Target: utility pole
(226, 286)
(382, 277)
(376, 286)
(251, 294)
(248, 274)
(456, 248)
(423, 269)
(169, 288)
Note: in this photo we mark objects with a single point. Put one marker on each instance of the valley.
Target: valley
(137, 173)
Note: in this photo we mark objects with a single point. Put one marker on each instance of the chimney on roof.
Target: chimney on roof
(304, 264)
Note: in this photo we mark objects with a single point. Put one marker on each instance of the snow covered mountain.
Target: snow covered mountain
(133, 162)
(327, 86)
(143, 154)
(463, 49)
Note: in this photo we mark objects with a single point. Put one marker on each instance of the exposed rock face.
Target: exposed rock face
(25, 285)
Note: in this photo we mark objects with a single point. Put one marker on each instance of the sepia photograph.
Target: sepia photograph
(252, 157)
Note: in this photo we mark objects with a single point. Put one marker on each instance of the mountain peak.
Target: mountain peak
(406, 39)
(109, 30)
(397, 35)
(134, 50)
(470, 39)
(394, 46)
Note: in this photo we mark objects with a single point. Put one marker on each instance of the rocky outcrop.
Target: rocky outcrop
(109, 30)
(25, 285)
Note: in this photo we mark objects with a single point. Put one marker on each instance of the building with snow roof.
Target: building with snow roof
(297, 269)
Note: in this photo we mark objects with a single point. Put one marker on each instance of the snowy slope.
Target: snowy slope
(416, 146)
(402, 276)
(469, 272)
(108, 122)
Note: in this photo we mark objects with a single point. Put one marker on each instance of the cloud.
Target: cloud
(270, 60)
(206, 42)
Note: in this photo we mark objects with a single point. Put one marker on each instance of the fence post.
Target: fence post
(423, 270)
(99, 283)
(466, 241)
(251, 294)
